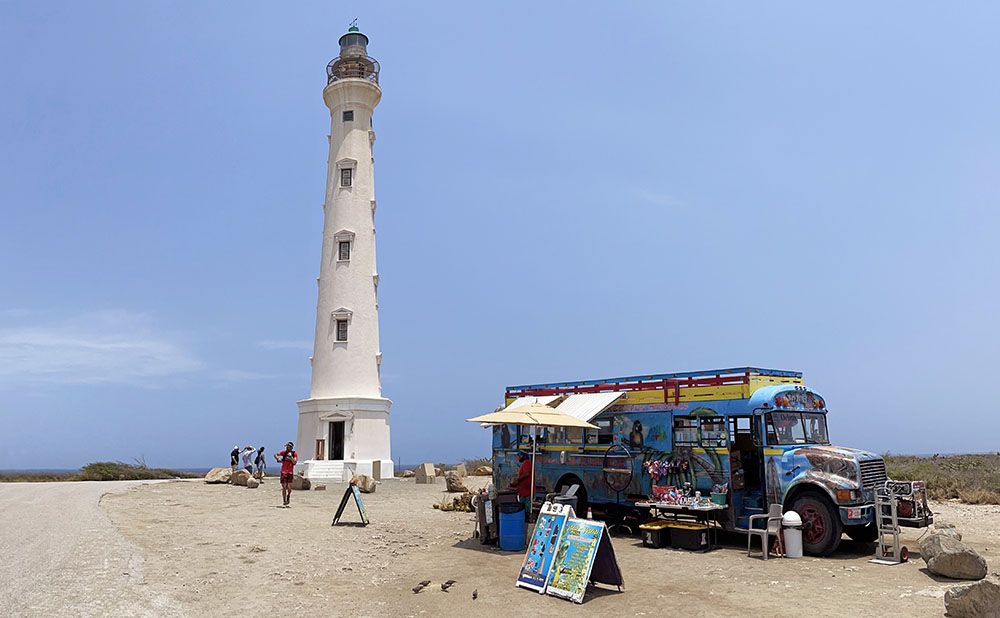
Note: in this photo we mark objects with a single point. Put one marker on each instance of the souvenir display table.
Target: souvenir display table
(701, 512)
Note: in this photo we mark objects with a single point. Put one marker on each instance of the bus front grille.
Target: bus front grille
(873, 473)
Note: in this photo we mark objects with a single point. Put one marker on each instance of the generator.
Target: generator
(898, 504)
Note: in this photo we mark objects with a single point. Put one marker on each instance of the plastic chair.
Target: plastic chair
(772, 527)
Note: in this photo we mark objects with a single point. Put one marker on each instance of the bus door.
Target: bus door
(746, 463)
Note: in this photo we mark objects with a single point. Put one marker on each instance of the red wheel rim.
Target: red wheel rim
(813, 524)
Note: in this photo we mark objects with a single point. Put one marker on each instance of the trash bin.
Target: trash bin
(791, 524)
(512, 527)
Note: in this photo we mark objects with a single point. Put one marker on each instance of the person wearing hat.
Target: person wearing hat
(288, 459)
(234, 458)
(523, 481)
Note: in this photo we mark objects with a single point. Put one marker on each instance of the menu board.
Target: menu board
(575, 558)
(542, 546)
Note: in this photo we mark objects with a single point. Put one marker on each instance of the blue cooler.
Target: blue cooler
(512, 527)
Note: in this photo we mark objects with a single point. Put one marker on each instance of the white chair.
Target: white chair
(772, 528)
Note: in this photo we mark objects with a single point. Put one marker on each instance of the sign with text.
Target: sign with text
(585, 554)
(542, 546)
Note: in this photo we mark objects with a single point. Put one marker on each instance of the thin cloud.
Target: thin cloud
(285, 344)
(658, 199)
(109, 347)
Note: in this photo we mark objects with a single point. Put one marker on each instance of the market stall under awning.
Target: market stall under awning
(532, 415)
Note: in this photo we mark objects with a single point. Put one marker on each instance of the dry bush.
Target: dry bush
(974, 479)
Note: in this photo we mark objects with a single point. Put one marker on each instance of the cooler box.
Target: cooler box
(688, 535)
(656, 533)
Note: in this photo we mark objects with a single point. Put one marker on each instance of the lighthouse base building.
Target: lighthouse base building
(344, 424)
(350, 435)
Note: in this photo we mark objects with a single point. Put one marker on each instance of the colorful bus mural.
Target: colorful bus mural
(760, 432)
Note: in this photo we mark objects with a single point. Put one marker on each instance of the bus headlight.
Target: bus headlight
(847, 495)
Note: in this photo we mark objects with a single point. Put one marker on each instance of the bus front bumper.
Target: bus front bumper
(858, 515)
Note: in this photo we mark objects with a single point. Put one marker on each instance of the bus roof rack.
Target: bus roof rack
(710, 377)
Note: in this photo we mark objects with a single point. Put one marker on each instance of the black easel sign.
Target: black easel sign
(356, 493)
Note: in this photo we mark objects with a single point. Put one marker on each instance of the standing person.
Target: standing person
(288, 459)
(248, 452)
(261, 464)
(234, 458)
(523, 482)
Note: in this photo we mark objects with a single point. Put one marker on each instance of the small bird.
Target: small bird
(475, 594)
(421, 586)
(447, 584)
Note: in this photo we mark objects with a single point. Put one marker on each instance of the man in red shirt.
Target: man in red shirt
(288, 459)
(523, 482)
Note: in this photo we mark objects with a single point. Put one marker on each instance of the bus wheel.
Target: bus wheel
(821, 527)
(581, 493)
(862, 534)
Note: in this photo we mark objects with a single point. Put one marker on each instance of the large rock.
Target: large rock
(948, 530)
(978, 600)
(240, 478)
(252, 483)
(454, 482)
(300, 482)
(407, 474)
(483, 471)
(364, 482)
(461, 470)
(948, 557)
(218, 475)
(425, 473)
(438, 471)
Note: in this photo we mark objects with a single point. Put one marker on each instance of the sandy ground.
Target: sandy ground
(216, 550)
(61, 556)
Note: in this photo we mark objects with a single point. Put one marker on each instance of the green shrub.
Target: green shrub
(120, 471)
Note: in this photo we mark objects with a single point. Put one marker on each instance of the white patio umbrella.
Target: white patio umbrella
(532, 415)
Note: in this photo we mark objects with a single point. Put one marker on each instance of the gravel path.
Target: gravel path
(62, 556)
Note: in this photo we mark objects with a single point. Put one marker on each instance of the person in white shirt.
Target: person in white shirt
(248, 453)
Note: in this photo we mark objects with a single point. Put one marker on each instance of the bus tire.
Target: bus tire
(821, 527)
(862, 534)
(581, 493)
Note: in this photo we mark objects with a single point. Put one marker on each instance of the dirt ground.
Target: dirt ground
(216, 549)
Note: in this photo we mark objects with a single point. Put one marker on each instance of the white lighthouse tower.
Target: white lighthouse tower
(344, 425)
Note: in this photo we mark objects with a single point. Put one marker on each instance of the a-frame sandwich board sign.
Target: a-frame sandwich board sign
(585, 555)
(542, 546)
(354, 492)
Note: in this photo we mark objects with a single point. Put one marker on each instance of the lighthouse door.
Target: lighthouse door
(337, 440)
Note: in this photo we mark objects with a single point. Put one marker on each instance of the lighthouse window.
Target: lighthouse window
(346, 175)
(344, 250)
(341, 330)
(349, 115)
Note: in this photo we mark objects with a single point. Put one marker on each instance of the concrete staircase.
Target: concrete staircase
(319, 470)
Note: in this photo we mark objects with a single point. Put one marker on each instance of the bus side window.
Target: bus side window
(685, 431)
(602, 435)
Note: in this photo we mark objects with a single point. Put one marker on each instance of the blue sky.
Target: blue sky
(566, 191)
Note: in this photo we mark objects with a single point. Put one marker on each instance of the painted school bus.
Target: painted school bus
(760, 432)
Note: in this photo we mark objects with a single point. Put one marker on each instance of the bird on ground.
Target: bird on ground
(475, 594)
(447, 584)
(421, 586)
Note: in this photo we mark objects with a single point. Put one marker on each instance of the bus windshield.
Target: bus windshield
(796, 428)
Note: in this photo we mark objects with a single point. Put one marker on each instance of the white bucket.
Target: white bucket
(791, 524)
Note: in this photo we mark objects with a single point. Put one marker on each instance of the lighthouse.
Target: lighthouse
(344, 424)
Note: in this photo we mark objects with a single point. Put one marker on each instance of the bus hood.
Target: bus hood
(833, 452)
